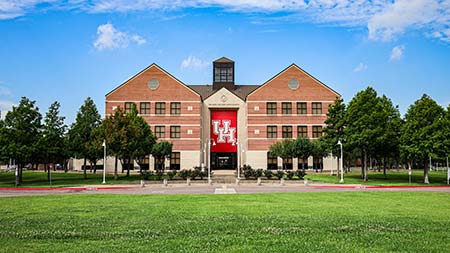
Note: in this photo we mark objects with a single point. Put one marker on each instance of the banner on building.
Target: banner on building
(224, 130)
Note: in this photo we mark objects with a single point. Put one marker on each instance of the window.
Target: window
(272, 132)
(316, 108)
(128, 106)
(160, 108)
(286, 132)
(160, 132)
(316, 131)
(287, 163)
(145, 108)
(318, 163)
(302, 131)
(175, 160)
(271, 162)
(271, 108)
(175, 108)
(175, 132)
(302, 164)
(223, 74)
(301, 108)
(286, 108)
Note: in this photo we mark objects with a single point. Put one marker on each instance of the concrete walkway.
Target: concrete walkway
(203, 188)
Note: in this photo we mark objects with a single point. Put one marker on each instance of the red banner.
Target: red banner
(224, 131)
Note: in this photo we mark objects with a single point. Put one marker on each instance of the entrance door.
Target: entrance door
(223, 161)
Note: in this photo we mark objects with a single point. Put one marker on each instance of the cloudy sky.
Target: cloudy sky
(68, 50)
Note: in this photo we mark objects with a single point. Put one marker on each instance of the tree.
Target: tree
(319, 149)
(285, 150)
(421, 133)
(81, 130)
(303, 149)
(52, 140)
(94, 147)
(161, 150)
(115, 132)
(365, 124)
(388, 144)
(23, 130)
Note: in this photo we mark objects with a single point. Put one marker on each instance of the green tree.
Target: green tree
(52, 140)
(365, 124)
(160, 151)
(421, 133)
(23, 130)
(115, 132)
(80, 133)
(303, 149)
(94, 147)
(285, 149)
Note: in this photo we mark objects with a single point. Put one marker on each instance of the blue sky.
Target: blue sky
(68, 50)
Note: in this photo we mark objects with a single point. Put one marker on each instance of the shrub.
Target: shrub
(159, 174)
(199, 173)
(184, 174)
(194, 173)
(258, 173)
(301, 174)
(171, 174)
(248, 171)
(146, 174)
(268, 174)
(279, 174)
(290, 174)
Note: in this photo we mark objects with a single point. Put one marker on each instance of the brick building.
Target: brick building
(224, 124)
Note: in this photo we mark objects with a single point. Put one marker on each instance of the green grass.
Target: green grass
(283, 222)
(377, 178)
(61, 179)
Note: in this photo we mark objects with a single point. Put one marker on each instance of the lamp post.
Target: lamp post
(239, 150)
(341, 162)
(104, 162)
(331, 155)
(448, 173)
(210, 141)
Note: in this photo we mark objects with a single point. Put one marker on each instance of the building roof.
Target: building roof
(207, 90)
(223, 60)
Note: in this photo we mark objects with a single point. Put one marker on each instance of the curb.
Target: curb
(70, 188)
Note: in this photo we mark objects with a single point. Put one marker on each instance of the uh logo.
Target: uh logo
(225, 134)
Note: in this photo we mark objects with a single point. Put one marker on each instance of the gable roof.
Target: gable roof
(223, 60)
(302, 70)
(206, 91)
(142, 71)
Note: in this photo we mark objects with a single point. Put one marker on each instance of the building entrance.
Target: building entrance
(223, 161)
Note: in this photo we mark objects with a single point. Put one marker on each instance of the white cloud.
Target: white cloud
(5, 107)
(397, 53)
(109, 38)
(194, 63)
(360, 68)
(383, 19)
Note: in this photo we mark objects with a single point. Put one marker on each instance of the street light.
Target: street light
(341, 162)
(104, 162)
(239, 150)
(210, 141)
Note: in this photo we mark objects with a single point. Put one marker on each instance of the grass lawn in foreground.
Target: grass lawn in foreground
(283, 222)
(61, 179)
(377, 178)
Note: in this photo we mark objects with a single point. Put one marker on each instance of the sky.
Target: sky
(68, 50)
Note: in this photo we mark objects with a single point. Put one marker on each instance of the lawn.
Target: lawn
(61, 179)
(377, 178)
(283, 222)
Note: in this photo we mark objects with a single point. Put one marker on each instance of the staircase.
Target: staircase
(224, 177)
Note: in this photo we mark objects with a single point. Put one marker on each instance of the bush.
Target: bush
(268, 174)
(199, 173)
(159, 174)
(301, 174)
(258, 173)
(146, 174)
(248, 171)
(171, 174)
(184, 174)
(279, 174)
(290, 174)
